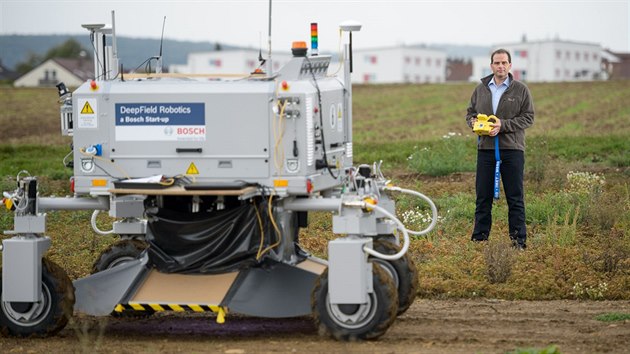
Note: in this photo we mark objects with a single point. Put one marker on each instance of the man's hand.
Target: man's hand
(495, 127)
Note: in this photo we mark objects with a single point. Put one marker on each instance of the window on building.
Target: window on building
(46, 75)
(577, 56)
(438, 62)
(595, 57)
(251, 63)
(54, 75)
(428, 61)
(567, 74)
(371, 59)
(558, 54)
(407, 60)
(366, 78)
(406, 78)
(567, 55)
(418, 78)
(427, 78)
(558, 73)
(417, 61)
(585, 56)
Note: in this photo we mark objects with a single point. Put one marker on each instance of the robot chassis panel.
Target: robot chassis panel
(281, 143)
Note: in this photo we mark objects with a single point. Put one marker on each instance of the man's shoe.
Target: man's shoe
(518, 245)
(479, 237)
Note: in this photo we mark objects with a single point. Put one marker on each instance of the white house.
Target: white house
(72, 72)
(399, 64)
(240, 61)
(549, 61)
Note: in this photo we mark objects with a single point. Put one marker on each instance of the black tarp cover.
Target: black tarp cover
(207, 243)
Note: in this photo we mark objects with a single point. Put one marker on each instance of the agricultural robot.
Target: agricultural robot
(209, 181)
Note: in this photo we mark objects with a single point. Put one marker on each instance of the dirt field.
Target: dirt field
(430, 326)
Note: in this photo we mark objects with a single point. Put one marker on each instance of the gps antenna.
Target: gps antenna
(158, 69)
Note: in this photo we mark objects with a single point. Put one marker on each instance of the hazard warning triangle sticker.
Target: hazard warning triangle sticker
(192, 169)
(87, 109)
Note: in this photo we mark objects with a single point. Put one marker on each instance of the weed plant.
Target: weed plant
(452, 153)
(613, 317)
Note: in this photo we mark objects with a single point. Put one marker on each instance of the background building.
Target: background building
(399, 65)
(458, 69)
(555, 61)
(616, 64)
(239, 61)
(72, 72)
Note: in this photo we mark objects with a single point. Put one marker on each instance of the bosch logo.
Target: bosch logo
(168, 131)
(191, 131)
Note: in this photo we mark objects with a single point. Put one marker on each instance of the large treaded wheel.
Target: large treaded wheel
(403, 271)
(44, 318)
(360, 321)
(119, 253)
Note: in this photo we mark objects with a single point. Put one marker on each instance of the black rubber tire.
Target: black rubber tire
(50, 316)
(116, 254)
(382, 306)
(406, 277)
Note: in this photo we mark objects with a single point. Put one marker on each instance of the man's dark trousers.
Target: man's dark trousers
(512, 166)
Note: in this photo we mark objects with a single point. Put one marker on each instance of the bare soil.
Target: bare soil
(429, 326)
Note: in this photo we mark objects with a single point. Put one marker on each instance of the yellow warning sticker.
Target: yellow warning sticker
(192, 169)
(88, 114)
(87, 109)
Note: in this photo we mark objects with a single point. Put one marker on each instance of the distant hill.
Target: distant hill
(132, 51)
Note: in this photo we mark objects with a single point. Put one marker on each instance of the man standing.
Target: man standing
(511, 102)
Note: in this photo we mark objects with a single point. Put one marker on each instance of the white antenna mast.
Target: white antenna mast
(269, 66)
(158, 68)
(114, 46)
(113, 66)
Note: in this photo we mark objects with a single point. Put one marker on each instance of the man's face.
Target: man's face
(500, 66)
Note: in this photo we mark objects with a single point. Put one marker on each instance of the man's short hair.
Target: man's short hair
(501, 51)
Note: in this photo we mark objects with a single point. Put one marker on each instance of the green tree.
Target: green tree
(68, 49)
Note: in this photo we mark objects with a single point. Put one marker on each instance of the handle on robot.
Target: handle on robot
(401, 227)
(424, 197)
(95, 227)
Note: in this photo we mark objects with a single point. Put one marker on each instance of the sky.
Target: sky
(385, 23)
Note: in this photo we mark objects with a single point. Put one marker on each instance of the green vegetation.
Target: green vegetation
(577, 188)
(552, 349)
(613, 317)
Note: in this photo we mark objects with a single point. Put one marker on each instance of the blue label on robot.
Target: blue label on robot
(160, 114)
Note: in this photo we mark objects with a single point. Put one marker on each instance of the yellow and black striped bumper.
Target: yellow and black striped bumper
(132, 306)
